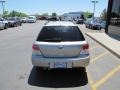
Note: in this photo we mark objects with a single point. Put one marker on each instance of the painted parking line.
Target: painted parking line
(98, 56)
(106, 77)
(90, 80)
(95, 85)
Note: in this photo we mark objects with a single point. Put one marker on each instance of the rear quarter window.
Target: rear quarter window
(60, 34)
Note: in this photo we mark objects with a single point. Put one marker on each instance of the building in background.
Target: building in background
(72, 16)
(113, 18)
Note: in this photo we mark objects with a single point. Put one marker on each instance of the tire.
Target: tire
(99, 28)
(6, 26)
(15, 25)
(89, 27)
(20, 24)
(93, 28)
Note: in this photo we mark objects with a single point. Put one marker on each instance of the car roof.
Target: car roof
(60, 23)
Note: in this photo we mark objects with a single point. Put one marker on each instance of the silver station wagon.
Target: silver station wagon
(60, 44)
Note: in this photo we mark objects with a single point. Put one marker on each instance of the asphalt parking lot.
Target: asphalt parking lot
(104, 69)
(17, 72)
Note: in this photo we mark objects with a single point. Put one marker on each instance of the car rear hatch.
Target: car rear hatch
(62, 49)
(60, 41)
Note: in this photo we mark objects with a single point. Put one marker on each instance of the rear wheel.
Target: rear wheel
(6, 26)
(90, 27)
(20, 24)
(15, 25)
(99, 28)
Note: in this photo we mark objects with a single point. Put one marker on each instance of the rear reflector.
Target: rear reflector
(35, 47)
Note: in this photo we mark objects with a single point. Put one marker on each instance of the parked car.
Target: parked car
(80, 21)
(24, 19)
(31, 19)
(103, 24)
(87, 22)
(14, 21)
(53, 19)
(42, 18)
(93, 24)
(3, 23)
(60, 44)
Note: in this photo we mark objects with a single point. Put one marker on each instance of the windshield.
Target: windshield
(30, 17)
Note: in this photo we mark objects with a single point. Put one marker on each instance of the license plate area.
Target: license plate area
(60, 65)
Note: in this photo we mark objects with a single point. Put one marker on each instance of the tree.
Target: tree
(45, 14)
(15, 13)
(88, 14)
(82, 17)
(22, 14)
(5, 14)
(54, 15)
(104, 14)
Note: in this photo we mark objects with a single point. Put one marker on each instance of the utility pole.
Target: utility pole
(2, 2)
(94, 2)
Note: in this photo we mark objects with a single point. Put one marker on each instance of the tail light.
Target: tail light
(86, 46)
(85, 49)
(36, 50)
(35, 47)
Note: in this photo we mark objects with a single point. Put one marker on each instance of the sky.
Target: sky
(49, 6)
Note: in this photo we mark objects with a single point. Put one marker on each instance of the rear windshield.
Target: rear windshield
(60, 34)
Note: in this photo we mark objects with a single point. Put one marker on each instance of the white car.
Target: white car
(3, 23)
(24, 19)
(31, 19)
(60, 44)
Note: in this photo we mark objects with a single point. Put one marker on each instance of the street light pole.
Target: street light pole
(94, 2)
(2, 2)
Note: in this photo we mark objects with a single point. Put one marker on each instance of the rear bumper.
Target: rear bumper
(50, 62)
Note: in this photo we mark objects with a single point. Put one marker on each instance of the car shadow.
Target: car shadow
(62, 78)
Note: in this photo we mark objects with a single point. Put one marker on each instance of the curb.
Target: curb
(113, 52)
